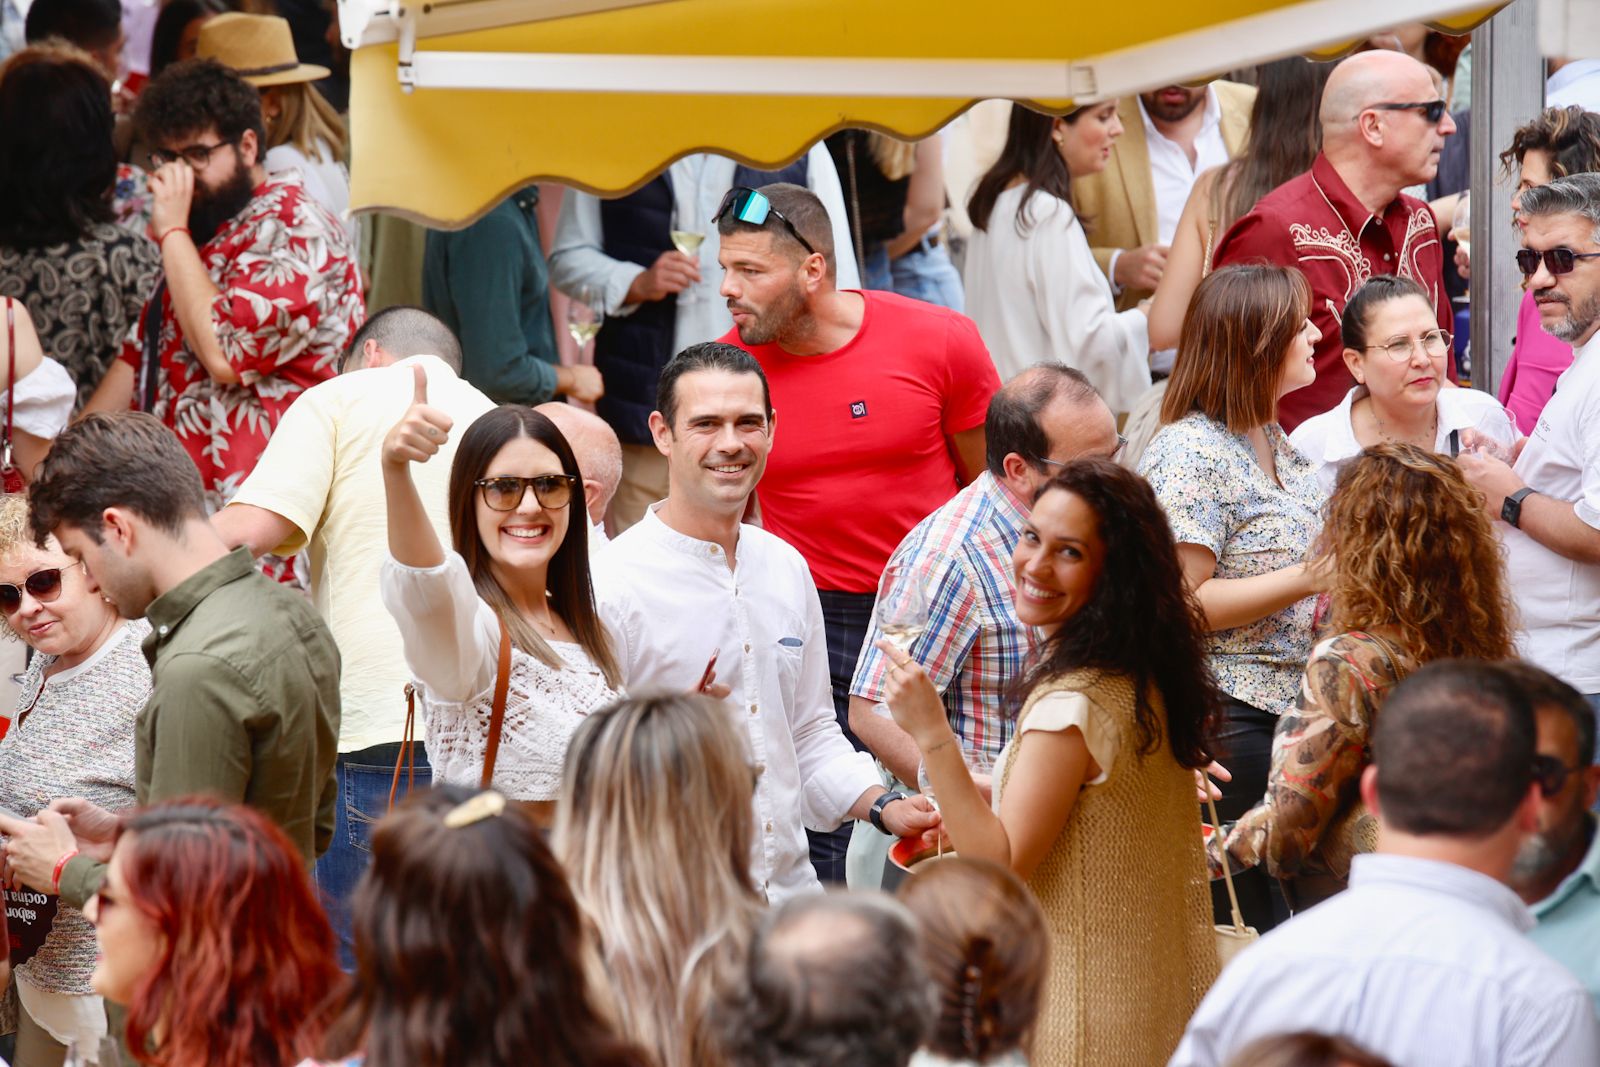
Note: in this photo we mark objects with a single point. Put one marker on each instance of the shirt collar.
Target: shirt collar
(1345, 203)
(1588, 871)
(1445, 879)
(1007, 503)
(168, 610)
(683, 544)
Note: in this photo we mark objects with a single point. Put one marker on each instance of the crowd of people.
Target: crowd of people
(1139, 630)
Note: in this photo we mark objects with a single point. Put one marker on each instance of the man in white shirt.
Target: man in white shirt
(316, 487)
(691, 591)
(1425, 958)
(1550, 500)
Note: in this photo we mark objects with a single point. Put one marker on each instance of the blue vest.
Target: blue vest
(631, 350)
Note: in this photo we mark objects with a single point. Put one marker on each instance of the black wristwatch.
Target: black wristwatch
(876, 814)
(1511, 510)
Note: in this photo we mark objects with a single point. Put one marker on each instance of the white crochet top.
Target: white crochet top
(452, 644)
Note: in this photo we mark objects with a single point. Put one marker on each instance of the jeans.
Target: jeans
(846, 617)
(1245, 748)
(364, 779)
(924, 273)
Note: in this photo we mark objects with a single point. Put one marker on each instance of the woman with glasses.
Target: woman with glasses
(516, 579)
(72, 735)
(1396, 353)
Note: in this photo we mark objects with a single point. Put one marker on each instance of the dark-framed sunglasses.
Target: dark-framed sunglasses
(1551, 774)
(196, 155)
(1556, 260)
(752, 206)
(506, 493)
(44, 586)
(1432, 110)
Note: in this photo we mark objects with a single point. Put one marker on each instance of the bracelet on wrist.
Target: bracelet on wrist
(161, 241)
(61, 866)
(947, 739)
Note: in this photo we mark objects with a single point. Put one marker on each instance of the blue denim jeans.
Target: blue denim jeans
(364, 780)
(924, 273)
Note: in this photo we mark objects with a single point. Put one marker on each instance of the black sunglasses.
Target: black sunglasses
(752, 206)
(1551, 774)
(1556, 260)
(44, 586)
(505, 494)
(1432, 110)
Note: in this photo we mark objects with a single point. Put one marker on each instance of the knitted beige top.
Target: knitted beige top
(1124, 890)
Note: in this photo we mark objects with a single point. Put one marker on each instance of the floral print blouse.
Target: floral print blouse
(1217, 496)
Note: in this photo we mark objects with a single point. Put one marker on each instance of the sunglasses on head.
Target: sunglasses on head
(44, 586)
(749, 205)
(506, 493)
(1556, 260)
(1432, 110)
(1551, 774)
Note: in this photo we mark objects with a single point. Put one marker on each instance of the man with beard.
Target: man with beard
(1550, 498)
(1557, 873)
(261, 293)
(883, 398)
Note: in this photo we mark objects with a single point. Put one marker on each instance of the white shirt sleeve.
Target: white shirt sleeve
(577, 259)
(42, 400)
(823, 178)
(1587, 506)
(1063, 710)
(832, 773)
(451, 637)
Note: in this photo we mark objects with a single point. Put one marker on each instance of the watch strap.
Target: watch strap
(876, 811)
(1511, 510)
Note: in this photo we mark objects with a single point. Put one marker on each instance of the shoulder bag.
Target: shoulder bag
(10, 474)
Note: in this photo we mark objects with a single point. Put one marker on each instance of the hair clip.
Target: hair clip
(485, 805)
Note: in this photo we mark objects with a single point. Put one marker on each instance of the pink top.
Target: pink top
(1537, 360)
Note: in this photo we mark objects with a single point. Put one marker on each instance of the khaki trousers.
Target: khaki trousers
(644, 481)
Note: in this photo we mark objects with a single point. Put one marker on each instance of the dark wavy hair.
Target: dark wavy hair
(175, 17)
(1030, 153)
(58, 166)
(194, 95)
(1570, 135)
(1141, 620)
(246, 970)
(470, 950)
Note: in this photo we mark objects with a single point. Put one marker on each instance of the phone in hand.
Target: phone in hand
(710, 671)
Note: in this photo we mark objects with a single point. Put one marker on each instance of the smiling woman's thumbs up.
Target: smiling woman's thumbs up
(421, 431)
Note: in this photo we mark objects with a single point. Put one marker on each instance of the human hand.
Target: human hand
(94, 828)
(1319, 577)
(912, 699)
(171, 193)
(1464, 260)
(1475, 442)
(1141, 268)
(1492, 477)
(421, 431)
(34, 847)
(1205, 789)
(672, 272)
(911, 817)
(581, 382)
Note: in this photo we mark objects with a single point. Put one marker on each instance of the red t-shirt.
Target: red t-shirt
(861, 452)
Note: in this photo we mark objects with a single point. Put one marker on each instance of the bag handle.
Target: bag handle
(11, 374)
(1227, 874)
(497, 715)
(407, 757)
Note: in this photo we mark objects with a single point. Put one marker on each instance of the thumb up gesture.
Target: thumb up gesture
(421, 432)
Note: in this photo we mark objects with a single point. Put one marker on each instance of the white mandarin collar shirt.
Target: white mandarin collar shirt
(1420, 962)
(669, 600)
(1171, 170)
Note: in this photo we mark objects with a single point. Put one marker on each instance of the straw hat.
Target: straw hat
(258, 47)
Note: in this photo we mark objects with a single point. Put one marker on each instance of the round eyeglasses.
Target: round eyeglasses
(1435, 343)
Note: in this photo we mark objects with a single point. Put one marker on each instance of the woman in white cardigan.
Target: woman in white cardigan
(1033, 286)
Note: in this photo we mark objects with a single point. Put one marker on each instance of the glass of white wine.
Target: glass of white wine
(584, 317)
(902, 608)
(687, 237)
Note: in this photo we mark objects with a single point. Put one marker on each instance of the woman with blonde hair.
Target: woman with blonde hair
(1417, 576)
(655, 830)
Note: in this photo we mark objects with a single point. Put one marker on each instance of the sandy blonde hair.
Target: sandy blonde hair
(307, 121)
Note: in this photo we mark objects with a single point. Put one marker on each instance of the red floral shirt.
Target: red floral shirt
(289, 301)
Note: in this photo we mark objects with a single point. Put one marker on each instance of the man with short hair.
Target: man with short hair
(1425, 958)
(1549, 500)
(245, 698)
(1346, 219)
(883, 400)
(599, 456)
(316, 488)
(836, 980)
(92, 25)
(974, 648)
(691, 593)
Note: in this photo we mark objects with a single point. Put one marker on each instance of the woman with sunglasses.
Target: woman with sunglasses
(518, 571)
(1396, 353)
(72, 735)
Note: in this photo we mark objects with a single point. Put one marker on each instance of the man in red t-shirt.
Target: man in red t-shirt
(881, 402)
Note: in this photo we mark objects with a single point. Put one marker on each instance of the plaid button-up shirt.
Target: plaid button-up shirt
(974, 648)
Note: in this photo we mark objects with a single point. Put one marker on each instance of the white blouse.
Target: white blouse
(452, 645)
(1039, 295)
(1058, 712)
(43, 401)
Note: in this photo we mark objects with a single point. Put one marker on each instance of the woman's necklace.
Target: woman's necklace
(548, 623)
(1383, 431)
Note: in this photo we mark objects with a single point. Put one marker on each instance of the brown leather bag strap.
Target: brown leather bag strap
(11, 359)
(408, 756)
(497, 717)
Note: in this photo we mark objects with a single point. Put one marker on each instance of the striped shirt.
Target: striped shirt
(974, 648)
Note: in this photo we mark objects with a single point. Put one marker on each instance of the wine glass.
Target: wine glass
(1461, 229)
(687, 237)
(979, 765)
(902, 608)
(101, 1053)
(585, 315)
(1494, 433)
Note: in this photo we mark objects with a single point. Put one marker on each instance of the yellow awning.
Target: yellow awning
(603, 94)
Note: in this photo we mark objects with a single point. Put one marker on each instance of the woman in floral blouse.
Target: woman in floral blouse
(1417, 576)
(1243, 505)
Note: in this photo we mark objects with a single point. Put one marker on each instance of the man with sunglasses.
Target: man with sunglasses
(1549, 500)
(1346, 219)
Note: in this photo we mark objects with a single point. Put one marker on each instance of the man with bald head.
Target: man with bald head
(599, 454)
(1345, 220)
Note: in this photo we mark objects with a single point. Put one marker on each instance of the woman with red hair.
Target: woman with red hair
(211, 936)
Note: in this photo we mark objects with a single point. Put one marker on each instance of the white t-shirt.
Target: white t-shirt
(1559, 598)
(1060, 711)
(321, 471)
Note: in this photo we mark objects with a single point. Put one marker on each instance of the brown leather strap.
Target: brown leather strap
(11, 360)
(497, 717)
(408, 756)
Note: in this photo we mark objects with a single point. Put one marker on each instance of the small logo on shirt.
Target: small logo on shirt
(858, 409)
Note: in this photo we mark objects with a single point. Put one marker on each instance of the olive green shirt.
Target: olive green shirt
(244, 706)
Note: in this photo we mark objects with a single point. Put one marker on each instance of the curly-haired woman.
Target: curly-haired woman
(1417, 576)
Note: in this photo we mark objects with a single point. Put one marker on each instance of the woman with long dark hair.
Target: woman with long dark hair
(211, 936)
(1094, 796)
(518, 573)
(1033, 286)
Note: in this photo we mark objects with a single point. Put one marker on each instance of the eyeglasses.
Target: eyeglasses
(1122, 442)
(1551, 774)
(753, 207)
(44, 586)
(1434, 343)
(1556, 260)
(1432, 110)
(505, 494)
(196, 155)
